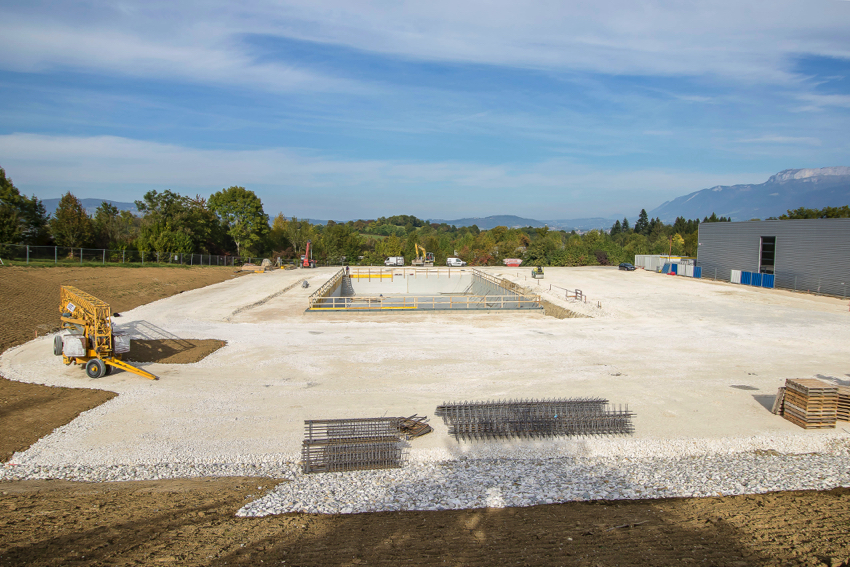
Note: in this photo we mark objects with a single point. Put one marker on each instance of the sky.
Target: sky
(441, 109)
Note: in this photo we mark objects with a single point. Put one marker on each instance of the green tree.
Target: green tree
(279, 233)
(71, 226)
(824, 213)
(241, 212)
(389, 246)
(10, 219)
(642, 224)
(22, 219)
(107, 225)
(171, 212)
(299, 232)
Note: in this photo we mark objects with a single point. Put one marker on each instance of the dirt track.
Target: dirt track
(192, 522)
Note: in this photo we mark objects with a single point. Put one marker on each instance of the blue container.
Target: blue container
(665, 269)
(674, 268)
(768, 280)
(756, 279)
(698, 272)
(746, 278)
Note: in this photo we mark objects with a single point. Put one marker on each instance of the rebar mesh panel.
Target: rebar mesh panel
(361, 428)
(366, 428)
(535, 418)
(341, 456)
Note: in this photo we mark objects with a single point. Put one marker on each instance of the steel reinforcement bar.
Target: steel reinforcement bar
(535, 418)
(351, 455)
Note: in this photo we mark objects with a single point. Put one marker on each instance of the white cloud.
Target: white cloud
(305, 183)
(782, 140)
(748, 41)
(818, 102)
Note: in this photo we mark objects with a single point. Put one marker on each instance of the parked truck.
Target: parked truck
(394, 261)
(455, 263)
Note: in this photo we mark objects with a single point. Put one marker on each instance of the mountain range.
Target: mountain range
(511, 221)
(788, 189)
(91, 205)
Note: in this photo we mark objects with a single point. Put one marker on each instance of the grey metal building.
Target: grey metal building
(809, 255)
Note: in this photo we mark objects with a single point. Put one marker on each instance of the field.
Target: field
(667, 349)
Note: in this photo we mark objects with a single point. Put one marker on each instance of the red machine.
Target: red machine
(306, 261)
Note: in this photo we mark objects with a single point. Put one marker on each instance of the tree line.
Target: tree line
(233, 222)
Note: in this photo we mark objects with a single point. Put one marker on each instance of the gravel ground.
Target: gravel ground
(653, 469)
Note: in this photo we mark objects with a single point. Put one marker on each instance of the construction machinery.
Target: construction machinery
(306, 261)
(91, 341)
(537, 273)
(423, 258)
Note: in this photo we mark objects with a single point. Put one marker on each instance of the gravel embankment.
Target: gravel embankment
(428, 484)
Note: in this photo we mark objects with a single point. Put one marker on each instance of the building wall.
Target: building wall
(811, 254)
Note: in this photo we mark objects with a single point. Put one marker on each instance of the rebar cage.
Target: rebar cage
(535, 418)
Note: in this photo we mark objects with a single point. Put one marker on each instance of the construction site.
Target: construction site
(459, 378)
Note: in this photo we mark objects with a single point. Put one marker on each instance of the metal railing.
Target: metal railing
(426, 302)
(326, 288)
(576, 294)
(323, 300)
(67, 256)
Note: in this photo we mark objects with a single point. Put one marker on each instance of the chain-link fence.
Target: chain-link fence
(21, 254)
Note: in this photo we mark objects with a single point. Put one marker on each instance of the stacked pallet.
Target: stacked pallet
(844, 403)
(810, 403)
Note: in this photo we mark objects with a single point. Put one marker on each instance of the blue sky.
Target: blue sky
(440, 109)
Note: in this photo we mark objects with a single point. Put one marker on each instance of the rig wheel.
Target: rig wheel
(57, 345)
(95, 368)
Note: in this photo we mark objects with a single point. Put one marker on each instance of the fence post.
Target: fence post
(28, 255)
(143, 257)
(123, 255)
(157, 257)
(81, 256)
(55, 255)
(715, 274)
(104, 256)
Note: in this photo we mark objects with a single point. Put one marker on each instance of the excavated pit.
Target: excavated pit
(422, 289)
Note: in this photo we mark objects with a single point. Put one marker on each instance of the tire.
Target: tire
(108, 370)
(57, 345)
(95, 368)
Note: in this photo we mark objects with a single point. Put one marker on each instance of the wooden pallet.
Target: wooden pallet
(844, 403)
(810, 403)
(778, 401)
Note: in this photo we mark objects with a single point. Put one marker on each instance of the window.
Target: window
(768, 254)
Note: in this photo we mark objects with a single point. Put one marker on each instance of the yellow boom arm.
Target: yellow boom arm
(87, 313)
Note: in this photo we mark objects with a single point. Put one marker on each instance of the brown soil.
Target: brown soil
(30, 298)
(172, 351)
(191, 522)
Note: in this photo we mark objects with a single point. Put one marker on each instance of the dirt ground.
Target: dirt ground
(192, 522)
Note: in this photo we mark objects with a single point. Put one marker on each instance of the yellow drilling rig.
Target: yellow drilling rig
(91, 341)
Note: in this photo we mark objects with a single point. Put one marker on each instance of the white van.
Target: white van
(455, 263)
(394, 261)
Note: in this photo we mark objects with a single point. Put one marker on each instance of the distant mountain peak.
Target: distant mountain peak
(789, 174)
(788, 189)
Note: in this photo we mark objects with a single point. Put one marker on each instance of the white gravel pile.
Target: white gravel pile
(651, 469)
(501, 483)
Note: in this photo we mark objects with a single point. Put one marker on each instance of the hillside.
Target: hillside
(788, 189)
(91, 205)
